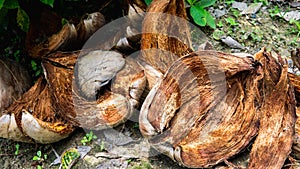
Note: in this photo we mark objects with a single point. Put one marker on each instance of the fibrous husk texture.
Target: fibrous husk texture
(41, 113)
(165, 35)
(210, 105)
(46, 33)
(106, 89)
(203, 112)
(14, 81)
(277, 116)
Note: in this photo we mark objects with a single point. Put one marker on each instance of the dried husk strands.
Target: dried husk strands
(277, 116)
(165, 34)
(190, 117)
(70, 36)
(14, 81)
(35, 118)
(58, 69)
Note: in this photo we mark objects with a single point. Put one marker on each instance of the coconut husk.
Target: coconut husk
(14, 81)
(273, 144)
(71, 36)
(58, 70)
(165, 34)
(106, 89)
(36, 118)
(203, 110)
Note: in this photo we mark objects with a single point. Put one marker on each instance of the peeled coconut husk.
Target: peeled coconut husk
(203, 110)
(88, 25)
(70, 36)
(58, 69)
(94, 89)
(14, 81)
(165, 34)
(34, 118)
(106, 89)
(273, 143)
(52, 43)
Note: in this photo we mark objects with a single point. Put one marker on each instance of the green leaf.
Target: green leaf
(17, 149)
(210, 20)
(23, 20)
(148, 2)
(217, 34)
(198, 15)
(1, 3)
(33, 65)
(220, 24)
(205, 3)
(191, 2)
(39, 153)
(11, 4)
(36, 158)
(48, 2)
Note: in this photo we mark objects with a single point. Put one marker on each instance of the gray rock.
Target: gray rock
(295, 4)
(218, 13)
(83, 150)
(113, 164)
(117, 138)
(292, 15)
(229, 41)
(92, 160)
(252, 9)
(239, 5)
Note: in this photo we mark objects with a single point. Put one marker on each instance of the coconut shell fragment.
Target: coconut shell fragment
(203, 110)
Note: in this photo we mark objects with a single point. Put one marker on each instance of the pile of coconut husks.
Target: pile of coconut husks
(200, 108)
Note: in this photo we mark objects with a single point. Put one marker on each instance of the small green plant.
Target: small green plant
(297, 24)
(148, 2)
(37, 68)
(69, 157)
(229, 2)
(200, 15)
(217, 34)
(236, 13)
(88, 138)
(220, 24)
(136, 126)
(39, 158)
(274, 11)
(265, 2)
(102, 145)
(143, 165)
(17, 149)
(231, 21)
